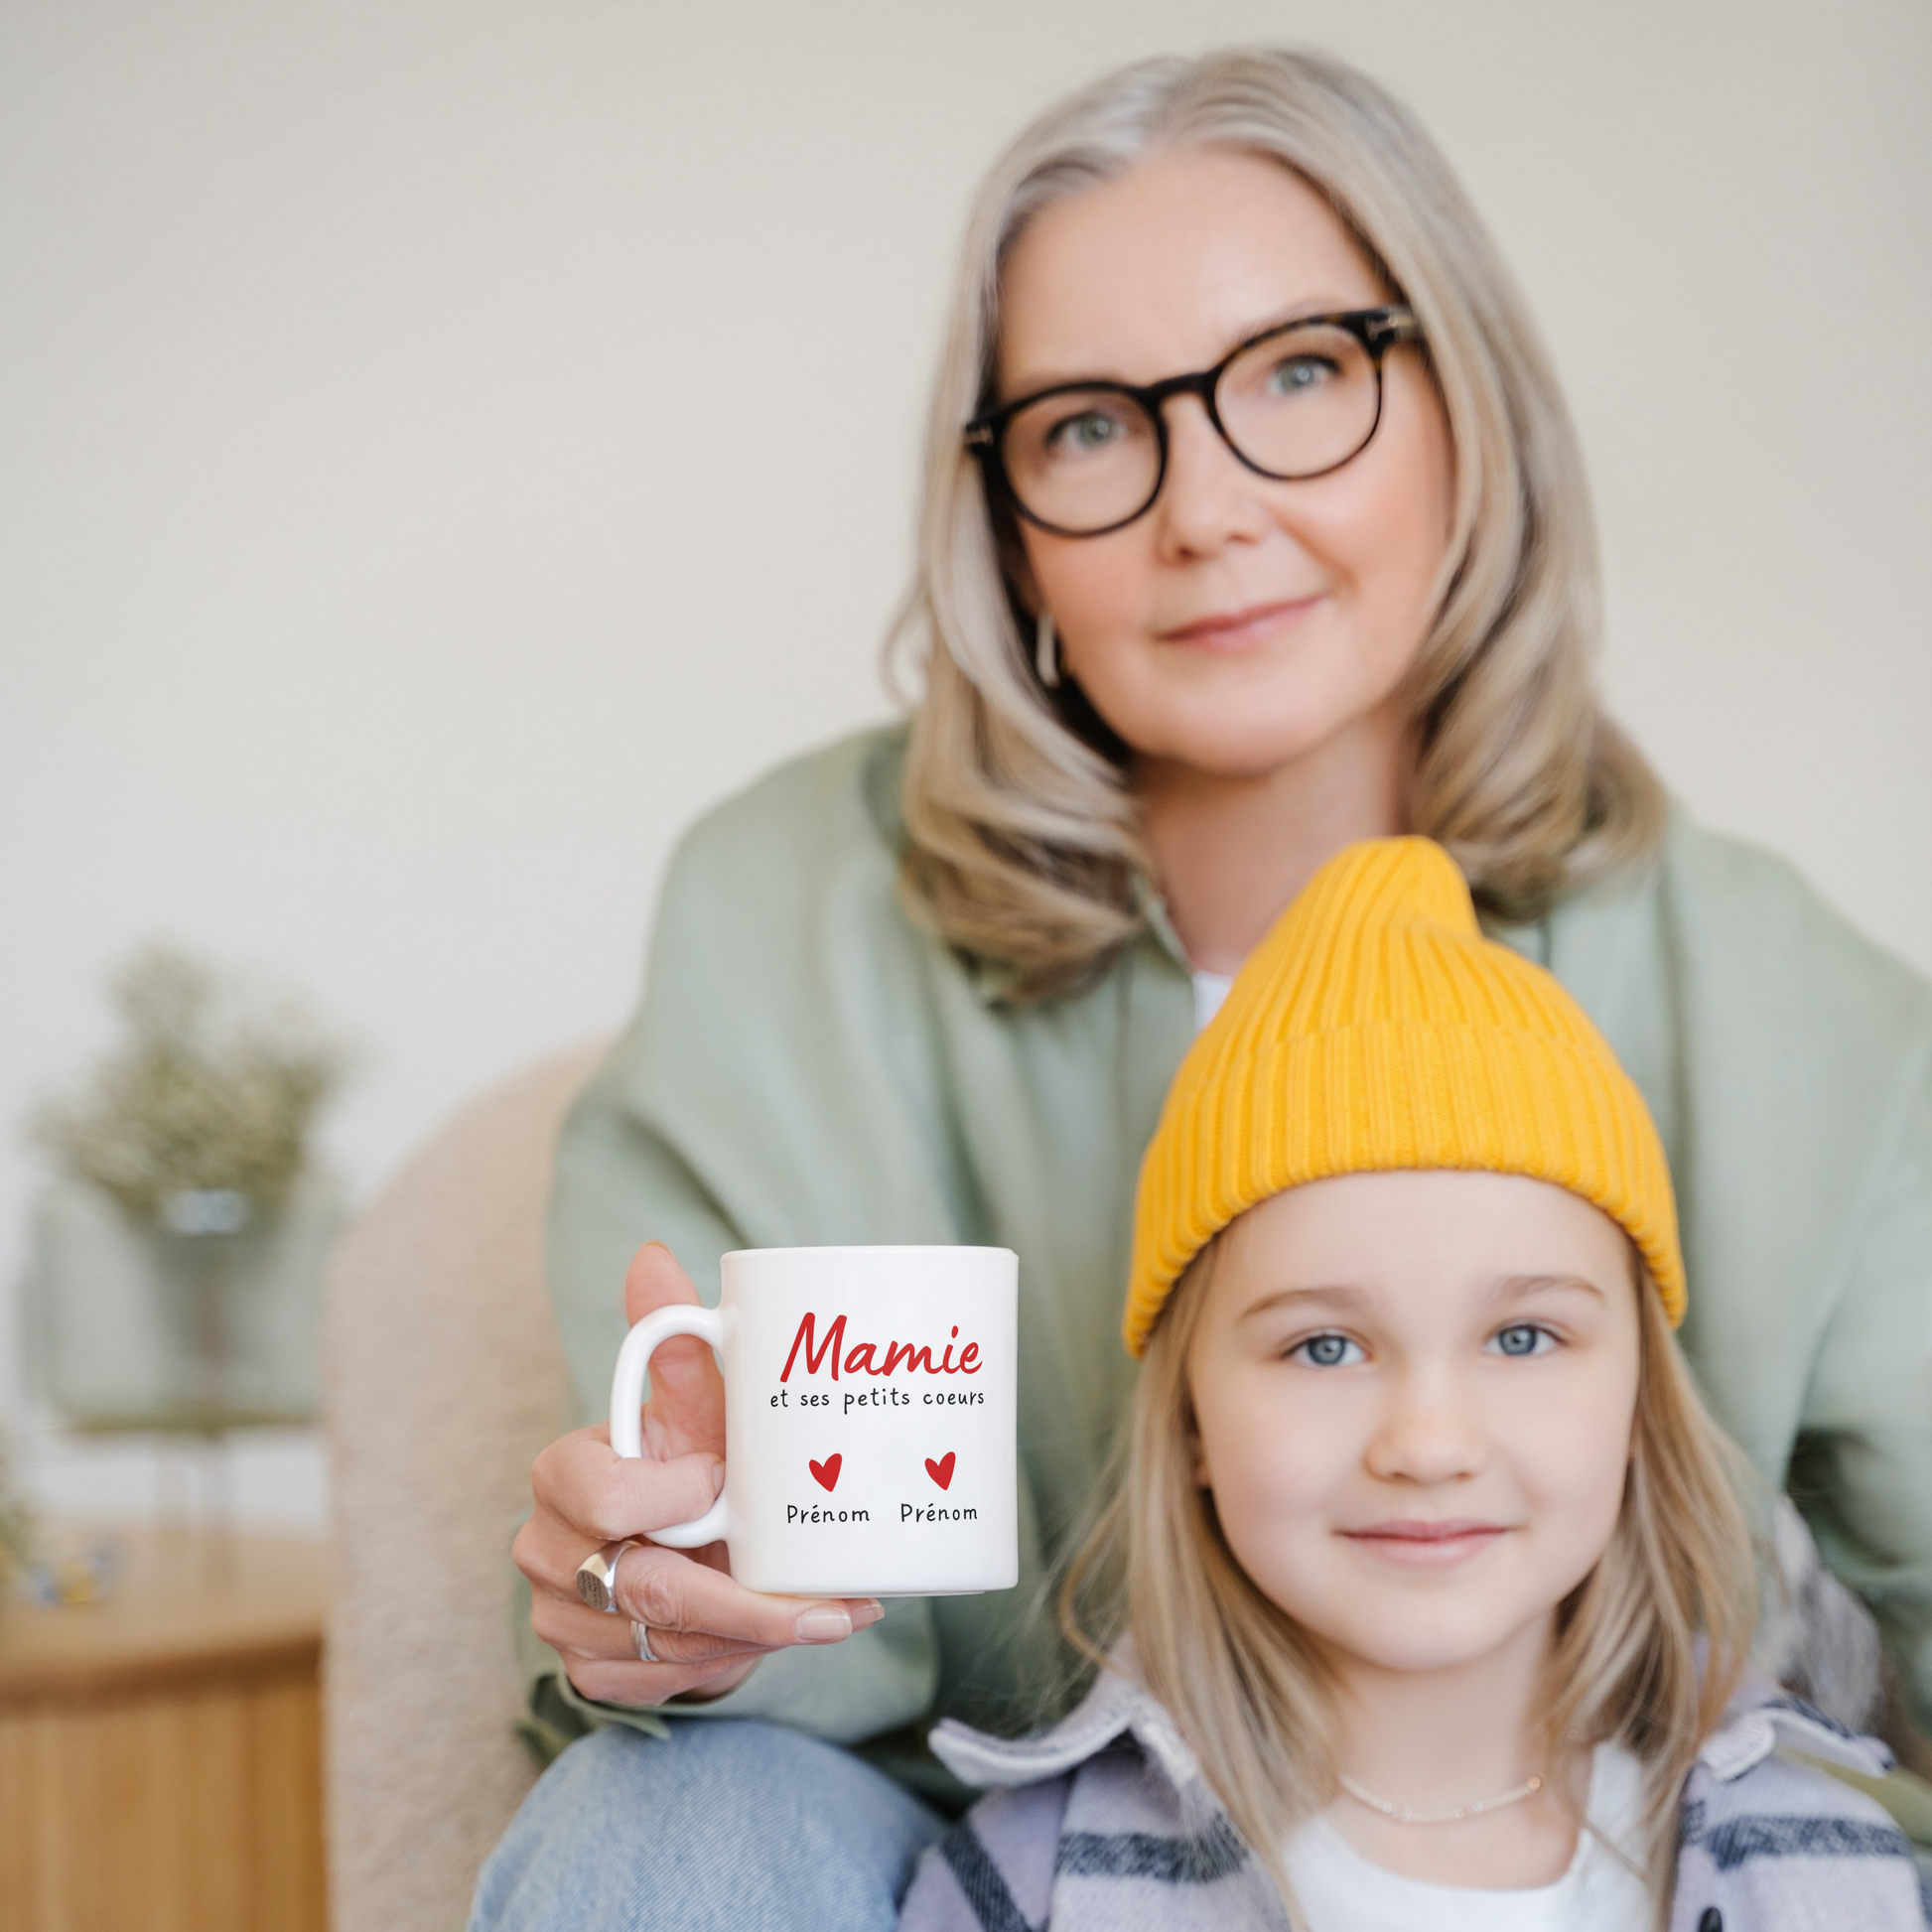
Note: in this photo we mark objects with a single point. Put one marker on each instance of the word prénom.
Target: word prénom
(861, 1358)
(934, 1513)
(813, 1513)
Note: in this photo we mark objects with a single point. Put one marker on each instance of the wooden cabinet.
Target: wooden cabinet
(160, 1752)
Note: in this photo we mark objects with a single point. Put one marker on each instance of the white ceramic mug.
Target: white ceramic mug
(869, 1418)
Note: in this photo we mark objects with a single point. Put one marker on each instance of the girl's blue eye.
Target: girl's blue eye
(1524, 1338)
(1326, 1352)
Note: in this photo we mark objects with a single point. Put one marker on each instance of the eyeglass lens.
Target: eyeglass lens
(1293, 404)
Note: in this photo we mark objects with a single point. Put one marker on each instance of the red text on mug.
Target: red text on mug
(861, 1358)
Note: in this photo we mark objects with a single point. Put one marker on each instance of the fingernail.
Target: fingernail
(717, 1478)
(870, 1611)
(825, 1624)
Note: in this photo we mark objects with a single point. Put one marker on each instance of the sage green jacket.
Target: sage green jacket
(809, 1067)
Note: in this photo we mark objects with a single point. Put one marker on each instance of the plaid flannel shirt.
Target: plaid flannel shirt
(1105, 1824)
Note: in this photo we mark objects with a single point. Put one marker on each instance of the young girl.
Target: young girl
(1436, 1592)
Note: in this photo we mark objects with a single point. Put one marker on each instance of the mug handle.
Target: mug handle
(627, 1399)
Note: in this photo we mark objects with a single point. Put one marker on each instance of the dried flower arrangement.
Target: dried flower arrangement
(16, 1525)
(200, 1122)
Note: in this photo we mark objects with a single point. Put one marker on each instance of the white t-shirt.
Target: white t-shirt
(1339, 1891)
(1210, 989)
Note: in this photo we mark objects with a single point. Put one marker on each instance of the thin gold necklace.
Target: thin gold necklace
(1402, 1815)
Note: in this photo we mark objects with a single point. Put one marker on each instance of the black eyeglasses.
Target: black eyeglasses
(1082, 459)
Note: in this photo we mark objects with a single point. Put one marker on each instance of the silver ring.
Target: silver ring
(642, 1638)
(597, 1576)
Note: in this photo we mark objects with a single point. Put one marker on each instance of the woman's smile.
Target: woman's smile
(1235, 632)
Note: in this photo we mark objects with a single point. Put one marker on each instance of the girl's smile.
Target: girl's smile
(1428, 1544)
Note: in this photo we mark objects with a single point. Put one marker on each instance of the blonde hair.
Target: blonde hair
(1024, 842)
(1250, 1691)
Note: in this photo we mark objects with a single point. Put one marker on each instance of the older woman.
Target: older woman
(1255, 525)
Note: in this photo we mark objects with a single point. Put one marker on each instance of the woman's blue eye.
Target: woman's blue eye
(1295, 376)
(1326, 1352)
(1089, 431)
(1524, 1338)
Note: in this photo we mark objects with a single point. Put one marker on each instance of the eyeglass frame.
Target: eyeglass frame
(1378, 329)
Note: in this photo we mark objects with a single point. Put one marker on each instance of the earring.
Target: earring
(1046, 657)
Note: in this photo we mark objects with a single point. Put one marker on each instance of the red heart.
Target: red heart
(941, 1472)
(827, 1471)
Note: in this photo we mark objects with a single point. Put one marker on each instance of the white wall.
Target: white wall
(443, 446)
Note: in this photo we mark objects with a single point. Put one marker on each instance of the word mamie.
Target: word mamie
(863, 1358)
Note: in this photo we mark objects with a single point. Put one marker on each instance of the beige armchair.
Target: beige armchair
(442, 1378)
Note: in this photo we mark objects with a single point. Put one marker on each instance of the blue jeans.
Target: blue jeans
(725, 1827)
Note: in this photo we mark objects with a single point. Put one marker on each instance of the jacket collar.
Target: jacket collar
(1114, 1708)
(1762, 1719)
(1759, 1719)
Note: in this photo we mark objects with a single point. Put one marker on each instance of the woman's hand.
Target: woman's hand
(707, 1632)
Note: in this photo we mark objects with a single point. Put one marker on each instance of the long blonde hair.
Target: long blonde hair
(1649, 1650)
(1024, 841)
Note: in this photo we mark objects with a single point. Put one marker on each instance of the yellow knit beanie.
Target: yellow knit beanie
(1375, 1028)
